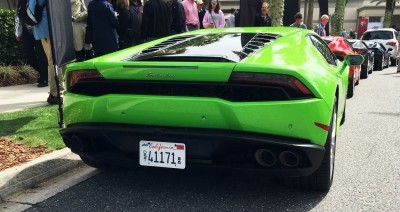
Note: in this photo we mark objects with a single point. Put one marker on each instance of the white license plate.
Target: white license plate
(162, 154)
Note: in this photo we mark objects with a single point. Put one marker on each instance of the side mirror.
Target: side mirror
(353, 59)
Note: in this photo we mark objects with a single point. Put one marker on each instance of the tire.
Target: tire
(351, 88)
(322, 178)
(379, 66)
(343, 116)
(393, 62)
(364, 73)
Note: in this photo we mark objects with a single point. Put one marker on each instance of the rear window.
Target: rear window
(382, 35)
(228, 47)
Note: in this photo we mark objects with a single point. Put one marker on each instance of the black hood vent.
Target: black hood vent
(257, 42)
(213, 47)
(163, 45)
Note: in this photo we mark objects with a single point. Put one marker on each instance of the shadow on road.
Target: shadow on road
(196, 189)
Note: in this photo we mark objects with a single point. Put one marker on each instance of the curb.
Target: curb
(16, 179)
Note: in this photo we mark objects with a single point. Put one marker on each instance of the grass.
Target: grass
(33, 127)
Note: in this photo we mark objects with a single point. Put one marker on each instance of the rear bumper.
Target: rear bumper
(118, 144)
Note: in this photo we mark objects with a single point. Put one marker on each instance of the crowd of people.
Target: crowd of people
(105, 26)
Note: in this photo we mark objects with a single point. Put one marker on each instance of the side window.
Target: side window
(323, 48)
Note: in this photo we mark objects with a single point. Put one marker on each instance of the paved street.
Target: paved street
(367, 173)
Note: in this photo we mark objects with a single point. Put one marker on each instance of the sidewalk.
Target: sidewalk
(16, 179)
(20, 97)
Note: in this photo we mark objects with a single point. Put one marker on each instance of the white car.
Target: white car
(387, 37)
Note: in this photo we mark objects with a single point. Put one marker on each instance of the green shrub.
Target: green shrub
(27, 72)
(7, 73)
(11, 52)
(17, 75)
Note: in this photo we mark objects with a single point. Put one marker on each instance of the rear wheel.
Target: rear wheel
(393, 61)
(350, 89)
(379, 66)
(364, 73)
(322, 178)
(343, 117)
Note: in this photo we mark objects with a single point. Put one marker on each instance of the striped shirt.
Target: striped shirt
(320, 30)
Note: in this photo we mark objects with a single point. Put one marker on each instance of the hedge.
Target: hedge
(11, 52)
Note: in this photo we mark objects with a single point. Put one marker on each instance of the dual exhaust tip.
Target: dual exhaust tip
(267, 158)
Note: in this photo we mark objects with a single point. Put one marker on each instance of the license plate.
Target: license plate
(162, 154)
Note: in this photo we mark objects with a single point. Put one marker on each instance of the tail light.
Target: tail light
(293, 87)
(76, 76)
(391, 43)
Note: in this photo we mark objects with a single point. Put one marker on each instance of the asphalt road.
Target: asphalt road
(367, 172)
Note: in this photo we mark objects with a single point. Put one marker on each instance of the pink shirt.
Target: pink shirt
(216, 18)
(191, 12)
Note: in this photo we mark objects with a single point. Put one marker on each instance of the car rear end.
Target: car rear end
(214, 107)
(387, 37)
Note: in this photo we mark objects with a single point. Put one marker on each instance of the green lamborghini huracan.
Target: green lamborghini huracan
(267, 99)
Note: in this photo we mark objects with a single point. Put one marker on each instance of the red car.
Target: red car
(341, 47)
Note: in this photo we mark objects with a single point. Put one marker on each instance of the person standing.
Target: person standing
(201, 12)
(157, 20)
(33, 49)
(192, 15)
(124, 24)
(237, 18)
(352, 35)
(214, 17)
(178, 17)
(320, 29)
(230, 23)
(41, 32)
(101, 24)
(344, 33)
(136, 12)
(83, 51)
(262, 19)
(298, 21)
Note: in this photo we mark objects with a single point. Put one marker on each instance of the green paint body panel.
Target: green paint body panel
(291, 54)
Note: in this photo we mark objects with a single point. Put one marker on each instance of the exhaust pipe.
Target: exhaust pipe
(77, 145)
(266, 158)
(290, 159)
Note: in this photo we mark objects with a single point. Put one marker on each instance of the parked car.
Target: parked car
(381, 55)
(360, 47)
(242, 98)
(387, 37)
(341, 47)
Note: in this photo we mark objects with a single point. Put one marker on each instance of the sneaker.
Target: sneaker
(43, 84)
(53, 100)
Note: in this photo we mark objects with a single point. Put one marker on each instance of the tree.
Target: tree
(390, 4)
(338, 17)
(276, 9)
(309, 13)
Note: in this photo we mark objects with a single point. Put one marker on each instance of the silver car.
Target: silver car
(387, 37)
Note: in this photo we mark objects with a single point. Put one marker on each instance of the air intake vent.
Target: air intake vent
(163, 45)
(257, 42)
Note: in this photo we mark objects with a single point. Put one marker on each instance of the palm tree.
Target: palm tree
(390, 4)
(276, 8)
(309, 13)
(338, 17)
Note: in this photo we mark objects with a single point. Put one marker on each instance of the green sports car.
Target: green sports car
(267, 99)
